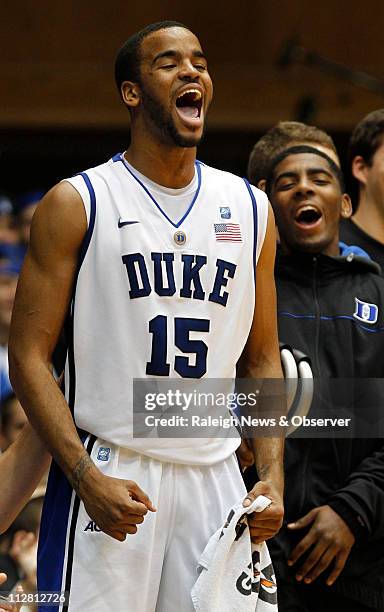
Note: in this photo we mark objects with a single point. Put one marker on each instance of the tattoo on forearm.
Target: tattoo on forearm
(81, 467)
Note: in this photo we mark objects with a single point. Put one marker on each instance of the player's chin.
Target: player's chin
(312, 245)
(188, 139)
(187, 135)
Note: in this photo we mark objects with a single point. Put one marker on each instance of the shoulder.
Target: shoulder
(223, 177)
(220, 175)
(60, 219)
(365, 286)
(63, 214)
(376, 280)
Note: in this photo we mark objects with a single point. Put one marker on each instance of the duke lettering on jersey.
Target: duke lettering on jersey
(164, 276)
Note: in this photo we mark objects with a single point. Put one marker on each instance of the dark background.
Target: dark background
(270, 61)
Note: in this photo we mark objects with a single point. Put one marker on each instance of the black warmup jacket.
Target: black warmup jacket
(350, 233)
(316, 306)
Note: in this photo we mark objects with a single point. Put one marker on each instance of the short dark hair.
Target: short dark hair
(366, 138)
(279, 137)
(127, 64)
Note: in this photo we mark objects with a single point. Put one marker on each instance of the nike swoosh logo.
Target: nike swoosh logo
(122, 223)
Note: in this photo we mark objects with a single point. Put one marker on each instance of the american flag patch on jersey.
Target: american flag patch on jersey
(228, 232)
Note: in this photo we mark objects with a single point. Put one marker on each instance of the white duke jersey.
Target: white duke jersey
(156, 298)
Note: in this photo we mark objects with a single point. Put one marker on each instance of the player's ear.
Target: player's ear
(130, 93)
(359, 169)
(261, 184)
(346, 206)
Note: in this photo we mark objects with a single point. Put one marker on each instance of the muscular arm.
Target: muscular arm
(21, 466)
(41, 304)
(42, 299)
(261, 359)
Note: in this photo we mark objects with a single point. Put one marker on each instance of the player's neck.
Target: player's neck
(370, 217)
(168, 166)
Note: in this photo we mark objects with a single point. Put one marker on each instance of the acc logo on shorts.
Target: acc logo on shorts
(103, 453)
(365, 312)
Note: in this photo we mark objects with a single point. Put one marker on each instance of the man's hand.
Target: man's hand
(117, 506)
(330, 539)
(24, 553)
(264, 525)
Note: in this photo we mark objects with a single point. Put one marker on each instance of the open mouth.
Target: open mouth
(308, 216)
(189, 103)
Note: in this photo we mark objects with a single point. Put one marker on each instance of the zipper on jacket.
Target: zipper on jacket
(317, 309)
(306, 457)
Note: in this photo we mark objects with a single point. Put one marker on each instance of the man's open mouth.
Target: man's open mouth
(189, 103)
(308, 216)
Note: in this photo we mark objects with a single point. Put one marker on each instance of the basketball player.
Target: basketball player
(152, 256)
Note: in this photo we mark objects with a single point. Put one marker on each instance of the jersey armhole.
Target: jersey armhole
(260, 218)
(79, 184)
(262, 208)
(83, 185)
(261, 203)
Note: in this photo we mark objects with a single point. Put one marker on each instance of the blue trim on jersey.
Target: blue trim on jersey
(176, 225)
(255, 225)
(69, 321)
(334, 318)
(53, 531)
(92, 217)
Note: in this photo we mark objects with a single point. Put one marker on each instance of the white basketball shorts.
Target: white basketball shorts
(154, 569)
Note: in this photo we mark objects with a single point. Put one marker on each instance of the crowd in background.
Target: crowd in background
(18, 545)
(365, 231)
(15, 223)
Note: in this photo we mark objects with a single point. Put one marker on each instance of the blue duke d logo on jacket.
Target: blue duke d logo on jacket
(365, 312)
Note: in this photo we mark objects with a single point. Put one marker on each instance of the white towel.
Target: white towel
(235, 574)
